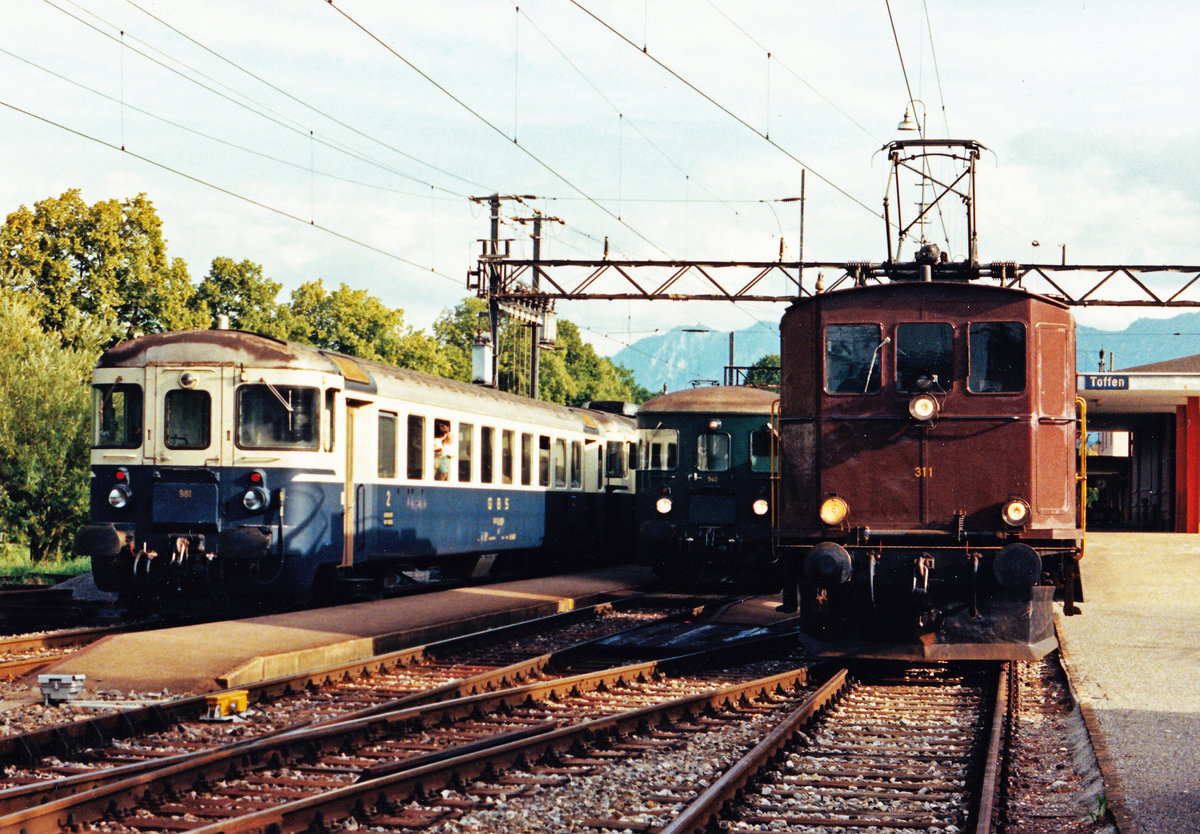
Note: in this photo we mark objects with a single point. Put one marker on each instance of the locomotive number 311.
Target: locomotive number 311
(923, 471)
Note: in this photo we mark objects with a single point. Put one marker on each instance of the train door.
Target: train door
(358, 467)
(191, 427)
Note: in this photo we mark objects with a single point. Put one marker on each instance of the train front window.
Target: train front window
(117, 416)
(187, 416)
(760, 450)
(853, 358)
(276, 417)
(996, 357)
(712, 452)
(924, 356)
(660, 449)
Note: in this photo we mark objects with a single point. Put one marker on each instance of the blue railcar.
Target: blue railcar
(235, 464)
(704, 491)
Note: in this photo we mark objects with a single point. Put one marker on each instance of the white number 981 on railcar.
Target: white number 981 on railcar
(235, 464)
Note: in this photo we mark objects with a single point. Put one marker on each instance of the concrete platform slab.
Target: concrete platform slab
(1134, 656)
(199, 658)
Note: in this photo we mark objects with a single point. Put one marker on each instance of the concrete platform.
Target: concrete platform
(1134, 657)
(199, 658)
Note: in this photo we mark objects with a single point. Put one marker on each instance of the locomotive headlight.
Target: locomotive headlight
(923, 407)
(663, 505)
(118, 496)
(255, 499)
(760, 506)
(833, 510)
(1015, 512)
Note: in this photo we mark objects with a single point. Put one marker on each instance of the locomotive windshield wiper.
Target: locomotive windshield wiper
(287, 405)
(887, 340)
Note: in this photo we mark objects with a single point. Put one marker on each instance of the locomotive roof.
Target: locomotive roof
(236, 347)
(713, 399)
(963, 289)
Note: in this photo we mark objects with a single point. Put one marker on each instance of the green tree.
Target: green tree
(454, 330)
(355, 322)
(44, 426)
(765, 372)
(249, 299)
(107, 261)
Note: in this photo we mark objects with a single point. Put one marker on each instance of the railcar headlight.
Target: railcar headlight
(760, 506)
(833, 510)
(118, 496)
(1015, 512)
(663, 505)
(254, 499)
(923, 407)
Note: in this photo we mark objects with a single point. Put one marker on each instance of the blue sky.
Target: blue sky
(343, 141)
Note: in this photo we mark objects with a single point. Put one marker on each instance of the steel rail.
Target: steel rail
(705, 809)
(992, 765)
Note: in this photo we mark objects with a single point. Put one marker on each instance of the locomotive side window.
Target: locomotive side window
(660, 449)
(996, 356)
(576, 464)
(760, 450)
(387, 445)
(924, 356)
(117, 412)
(543, 460)
(187, 416)
(277, 417)
(416, 447)
(487, 453)
(852, 358)
(712, 452)
(466, 437)
(506, 456)
(526, 459)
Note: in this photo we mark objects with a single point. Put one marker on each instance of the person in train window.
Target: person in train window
(443, 450)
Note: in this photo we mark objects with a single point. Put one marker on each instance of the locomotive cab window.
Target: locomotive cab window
(187, 417)
(996, 357)
(660, 449)
(117, 416)
(760, 449)
(853, 358)
(924, 356)
(712, 452)
(277, 417)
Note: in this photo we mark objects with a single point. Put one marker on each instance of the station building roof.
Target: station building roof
(1145, 389)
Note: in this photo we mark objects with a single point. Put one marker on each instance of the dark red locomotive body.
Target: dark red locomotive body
(928, 493)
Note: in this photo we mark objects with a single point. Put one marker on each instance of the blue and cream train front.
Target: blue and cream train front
(232, 463)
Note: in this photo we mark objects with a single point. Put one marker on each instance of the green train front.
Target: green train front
(234, 465)
(704, 483)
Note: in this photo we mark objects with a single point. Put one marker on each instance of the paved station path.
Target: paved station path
(1134, 655)
(200, 658)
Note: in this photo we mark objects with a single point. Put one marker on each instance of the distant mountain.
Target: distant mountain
(678, 357)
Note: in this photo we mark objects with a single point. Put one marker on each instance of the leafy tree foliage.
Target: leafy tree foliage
(44, 426)
(241, 292)
(357, 323)
(107, 261)
(765, 372)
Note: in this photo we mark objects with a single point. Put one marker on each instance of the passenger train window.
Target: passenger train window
(616, 459)
(544, 460)
(443, 450)
(487, 453)
(506, 456)
(576, 464)
(560, 462)
(117, 416)
(996, 357)
(712, 452)
(277, 417)
(328, 422)
(924, 356)
(631, 456)
(416, 447)
(526, 459)
(852, 358)
(660, 449)
(466, 436)
(760, 450)
(187, 418)
(387, 445)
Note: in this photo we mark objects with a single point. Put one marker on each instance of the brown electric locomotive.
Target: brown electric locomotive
(928, 500)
